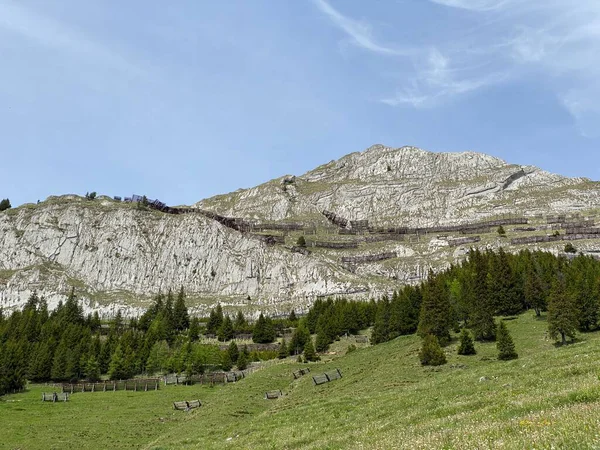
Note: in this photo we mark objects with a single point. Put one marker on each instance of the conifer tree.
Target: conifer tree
(299, 338)
(263, 332)
(534, 290)
(59, 363)
(226, 363)
(504, 343)
(466, 346)
(181, 318)
(431, 353)
(215, 320)
(481, 317)
(436, 312)
(241, 324)
(194, 330)
(92, 369)
(283, 349)
(116, 368)
(292, 319)
(309, 351)
(323, 340)
(234, 352)
(502, 285)
(380, 331)
(225, 332)
(242, 362)
(562, 313)
(301, 242)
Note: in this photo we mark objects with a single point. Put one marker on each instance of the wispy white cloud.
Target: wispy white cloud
(555, 43)
(47, 32)
(474, 5)
(360, 33)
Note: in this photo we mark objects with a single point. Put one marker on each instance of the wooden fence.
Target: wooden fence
(55, 397)
(327, 377)
(148, 384)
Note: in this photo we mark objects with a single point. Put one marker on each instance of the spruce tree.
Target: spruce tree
(4, 204)
(481, 317)
(225, 332)
(234, 352)
(92, 369)
(226, 363)
(562, 313)
(534, 290)
(214, 320)
(283, 350)
(431, 353)
(301, 242)
(436, 311)
(116, 368)
(241, 324)
(504, 343)
(466, 346)
(299, 338)
(502, 285)
(380, 331)
(242, 362)
(194, 330)
(181, 318)
(309, 351)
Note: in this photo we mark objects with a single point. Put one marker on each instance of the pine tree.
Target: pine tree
(214, 320)
(323, 340)
(59, 363)
(502, 285)
(234, 352)
(534, 290)
(436, 311)
(504, 343)
(263, 332)
(4, 204)
(481, 317)
(562, 313)
(380, 331)
(116, 368)
(292, 319)
(309, 351)
(241, 324)
(181, 318)
(194, 330)
(431, 353)
(301, 242)
(92, 369)
(226, 363)
(466, 346)
(225, 332)
(283, 350)
(299, 338)
(242, 362)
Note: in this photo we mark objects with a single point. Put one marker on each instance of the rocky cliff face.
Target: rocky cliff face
(116, 255)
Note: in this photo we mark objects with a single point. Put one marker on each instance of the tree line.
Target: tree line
(64, 345)
(39, 345)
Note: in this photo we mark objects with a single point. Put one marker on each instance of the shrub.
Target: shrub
(431, 353)
(501, 231)
(301, 242)
(569, 248)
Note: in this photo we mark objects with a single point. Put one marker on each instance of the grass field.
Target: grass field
(548, 398)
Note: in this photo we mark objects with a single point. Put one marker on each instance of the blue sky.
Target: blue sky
(184, 100)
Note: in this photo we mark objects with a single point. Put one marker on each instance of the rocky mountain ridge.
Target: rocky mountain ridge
(118, 254)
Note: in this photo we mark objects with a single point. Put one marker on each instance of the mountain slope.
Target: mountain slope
(117, 254)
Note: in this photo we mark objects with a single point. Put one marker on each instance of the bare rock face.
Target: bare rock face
(117, 255)
(413, 187)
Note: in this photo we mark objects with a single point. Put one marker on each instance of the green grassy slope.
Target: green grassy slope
(548, 398)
